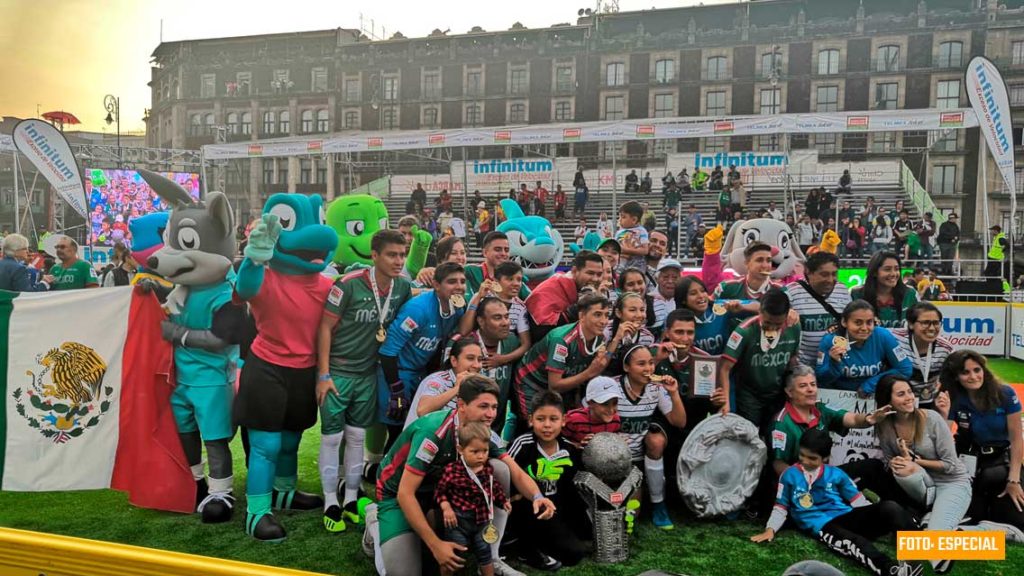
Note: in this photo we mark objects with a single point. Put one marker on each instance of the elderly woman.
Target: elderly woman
(922, 342)
(14, 275)
(988, 439)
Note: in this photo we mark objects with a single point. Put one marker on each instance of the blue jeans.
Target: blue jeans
(948, 501)
(471, 535)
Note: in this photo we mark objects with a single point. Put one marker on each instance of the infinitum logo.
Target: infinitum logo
(506, 166)
(740, 160)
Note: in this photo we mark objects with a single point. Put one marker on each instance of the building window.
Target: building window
(947, 94)
(664, 71)
(474, 82)
(431, 84)
(664, 105)
(430, 117)
(714, 104)
(888, 58)
(1017, 51)
(882, 142)
(1016, 94)
(474, 115)
(243, 81)
(715, 144)
(768, 142)
(771, 101)
(611, 150)
(563, 111)
(196, 125)
(950, 55)
(563, 79)
(517, 113)
(771, 64)
(246, 123)
(207, 85)
(284, 124)
(828, 61)
(321, 171)
(614, 107)
(268, 171)
(389, 118)
(390, 88)
(887, 96)
(826, 143)
(716, 68)
(942, 140)
(269, 122)
(615, 74)
(943, 179)
(664, 147)
(827, 99)
(305, 171)
(318, 82)
(282, 170)
(519, 81)
(323, 121)
(208, 124)
(352, 91)
(281, 81)
(351, 120)
(232, 123)
(307, 121)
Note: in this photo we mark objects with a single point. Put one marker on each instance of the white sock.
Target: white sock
(500, 520)
(329, 447)
(654, 470)
(197, 472)
(355, 438)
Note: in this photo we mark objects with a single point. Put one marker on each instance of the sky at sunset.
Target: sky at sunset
(67, 54)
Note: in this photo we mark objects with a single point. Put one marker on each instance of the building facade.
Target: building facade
(765, 57)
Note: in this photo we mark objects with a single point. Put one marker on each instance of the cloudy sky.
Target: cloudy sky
(67, 54)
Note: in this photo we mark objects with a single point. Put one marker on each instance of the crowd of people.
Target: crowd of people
(117, 196)
(465, 398)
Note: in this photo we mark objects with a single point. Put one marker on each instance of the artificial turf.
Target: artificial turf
(697, 548)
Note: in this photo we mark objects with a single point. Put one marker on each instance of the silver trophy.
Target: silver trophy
(719, 465)
(607, 462)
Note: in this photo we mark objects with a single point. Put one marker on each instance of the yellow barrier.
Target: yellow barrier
(24, 553)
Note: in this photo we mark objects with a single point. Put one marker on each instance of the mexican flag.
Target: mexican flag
(84, 377)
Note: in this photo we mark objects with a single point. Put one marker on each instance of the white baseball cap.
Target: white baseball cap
(602, 389)
(667, 263)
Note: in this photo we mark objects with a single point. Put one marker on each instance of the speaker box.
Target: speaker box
(987, 287)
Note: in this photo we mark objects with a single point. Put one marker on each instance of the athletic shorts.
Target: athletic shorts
(391, 520)
(355, 404)
(203, 408)
(275, 398)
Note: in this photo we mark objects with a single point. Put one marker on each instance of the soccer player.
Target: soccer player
(496, 251)
(757, 282)
(359, 307)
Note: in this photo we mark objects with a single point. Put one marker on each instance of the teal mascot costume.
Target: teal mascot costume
(280, 278)
(533, 243)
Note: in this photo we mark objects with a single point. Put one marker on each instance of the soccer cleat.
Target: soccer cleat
(632, 510)
(333, 520)
(351, 513)
(264, 528)
(659, 515)
(1013, 534)
(503, 569)
(295, 500)
(539, 561)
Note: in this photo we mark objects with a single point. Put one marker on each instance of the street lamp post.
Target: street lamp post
(113, 106)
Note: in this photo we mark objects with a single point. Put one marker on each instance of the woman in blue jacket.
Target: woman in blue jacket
(860, 354)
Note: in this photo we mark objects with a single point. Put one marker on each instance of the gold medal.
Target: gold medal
(841, 341)
(806, 501)
(382, 334)
(457, 300)
(490, 534)
(718, 309)
(496, 288)
(771, 334)
(656, 378)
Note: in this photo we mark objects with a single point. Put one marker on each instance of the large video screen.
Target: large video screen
(117, 196)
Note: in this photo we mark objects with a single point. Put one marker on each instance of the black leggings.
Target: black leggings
(852, 533)
(986, 504)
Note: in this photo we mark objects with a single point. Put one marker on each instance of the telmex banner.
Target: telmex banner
(611, 131)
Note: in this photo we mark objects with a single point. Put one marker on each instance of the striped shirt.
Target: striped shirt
(578, 425)
(433, 385)
(924, 388)
(636, 413)
(517, 316)
(815, 320)
(662, 307)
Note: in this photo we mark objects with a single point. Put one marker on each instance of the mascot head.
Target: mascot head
(533, 243)
(199, 239)
(147, 235)
(356, 218)
(306, 244)
(777, 234)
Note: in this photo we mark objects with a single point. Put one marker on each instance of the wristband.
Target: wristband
(183, 336)
(537, 496)
(323, 378)
(472, 307)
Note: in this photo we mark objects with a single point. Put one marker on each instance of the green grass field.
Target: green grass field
(697, 548)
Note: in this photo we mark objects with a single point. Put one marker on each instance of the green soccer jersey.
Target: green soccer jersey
(789, 426)
(888, 315)
(354, 345)
(757, 375)
(475, 277)
(502, 374)
(737, 290)
(79, 275)
(563, 351)
(424, 448)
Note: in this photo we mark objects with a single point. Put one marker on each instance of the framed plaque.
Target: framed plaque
(703, 376)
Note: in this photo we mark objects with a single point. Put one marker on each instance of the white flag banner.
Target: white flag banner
(51, 154)
(857, 443)
(987, 92)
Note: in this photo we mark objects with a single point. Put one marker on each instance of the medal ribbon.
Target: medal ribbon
(382, 310)
(488, 496)
(927, 367)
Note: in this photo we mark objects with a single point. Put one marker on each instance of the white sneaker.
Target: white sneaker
(1013, 534)
(503, 569)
